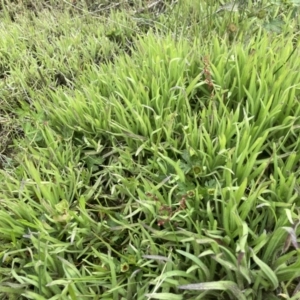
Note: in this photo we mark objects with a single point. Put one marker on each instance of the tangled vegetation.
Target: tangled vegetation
(149, 150)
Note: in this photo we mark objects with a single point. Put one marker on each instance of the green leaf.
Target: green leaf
(176, 166)
(164, 296)
(274, 26)
(215, 285)
(267, 271)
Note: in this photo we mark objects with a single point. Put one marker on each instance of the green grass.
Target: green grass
(149, 153)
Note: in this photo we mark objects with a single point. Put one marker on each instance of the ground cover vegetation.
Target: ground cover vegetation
(149, 150)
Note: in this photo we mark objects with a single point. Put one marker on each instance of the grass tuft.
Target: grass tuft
(149, 150)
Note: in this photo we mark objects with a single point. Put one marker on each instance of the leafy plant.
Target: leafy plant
(157, 162)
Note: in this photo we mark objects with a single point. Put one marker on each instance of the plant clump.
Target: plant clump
(149, 151)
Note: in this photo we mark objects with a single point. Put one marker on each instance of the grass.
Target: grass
(149, 151)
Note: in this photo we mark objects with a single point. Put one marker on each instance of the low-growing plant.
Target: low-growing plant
(152, 166)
